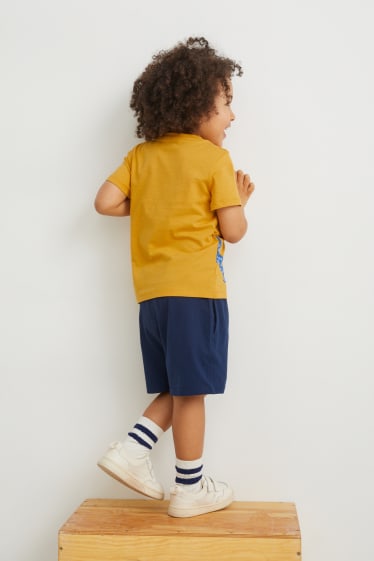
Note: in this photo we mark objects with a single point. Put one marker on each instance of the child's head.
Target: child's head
(178, 89)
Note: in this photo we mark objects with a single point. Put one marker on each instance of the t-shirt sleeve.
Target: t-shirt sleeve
(121, 177)
(224, 190)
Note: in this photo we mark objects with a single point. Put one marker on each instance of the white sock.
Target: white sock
(189, 474)
(143, 437)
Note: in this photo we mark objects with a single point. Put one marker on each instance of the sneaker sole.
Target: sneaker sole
(187, 512)
(124, 477)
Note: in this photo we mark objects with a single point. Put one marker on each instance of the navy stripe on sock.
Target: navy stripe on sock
(140, 440)
(190, 481)
(146, 431)
(188, 471)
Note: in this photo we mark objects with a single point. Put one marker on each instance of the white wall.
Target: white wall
(296, 423)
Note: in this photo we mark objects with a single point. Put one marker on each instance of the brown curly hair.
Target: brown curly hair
(179, 87)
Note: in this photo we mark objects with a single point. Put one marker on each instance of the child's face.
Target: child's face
(213, 127)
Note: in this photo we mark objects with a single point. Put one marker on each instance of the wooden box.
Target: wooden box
(141, 530)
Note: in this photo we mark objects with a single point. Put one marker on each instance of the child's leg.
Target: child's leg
(188, 433)
(160, 411)
(128, 461)
(189, 426)
(194, 493)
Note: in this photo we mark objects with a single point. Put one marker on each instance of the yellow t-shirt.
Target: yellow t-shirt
(175, 185)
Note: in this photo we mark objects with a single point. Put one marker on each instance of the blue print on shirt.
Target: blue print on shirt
(219, 257)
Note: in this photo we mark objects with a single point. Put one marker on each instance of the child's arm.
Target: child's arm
(232, 221)
(111, 201)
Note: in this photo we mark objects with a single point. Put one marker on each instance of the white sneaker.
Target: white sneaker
(213, 495)
(136, 473)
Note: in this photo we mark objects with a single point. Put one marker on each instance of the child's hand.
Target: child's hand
(245, 186)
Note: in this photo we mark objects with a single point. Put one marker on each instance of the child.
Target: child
(185, 199)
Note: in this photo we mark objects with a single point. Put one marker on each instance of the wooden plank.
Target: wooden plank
(141, 530)
(115, 516)
(181, 548)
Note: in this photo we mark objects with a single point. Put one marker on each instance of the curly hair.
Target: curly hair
(179, 87)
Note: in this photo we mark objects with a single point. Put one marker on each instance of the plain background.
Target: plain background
(296, 423)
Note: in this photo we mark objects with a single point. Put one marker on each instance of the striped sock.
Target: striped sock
(189, 473)
(144, 435)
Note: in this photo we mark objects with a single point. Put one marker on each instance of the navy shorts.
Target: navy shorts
(184, 344)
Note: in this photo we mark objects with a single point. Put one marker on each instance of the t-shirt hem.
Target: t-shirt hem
(218, 295)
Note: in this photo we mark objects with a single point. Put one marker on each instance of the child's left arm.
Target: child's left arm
(111, 201)
(232, 221)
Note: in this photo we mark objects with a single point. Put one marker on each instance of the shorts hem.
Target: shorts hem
(187, 393)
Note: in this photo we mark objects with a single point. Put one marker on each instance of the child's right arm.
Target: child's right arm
(231, 219)
(111, 201)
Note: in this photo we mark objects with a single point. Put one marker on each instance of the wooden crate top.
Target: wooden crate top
(109, 517)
